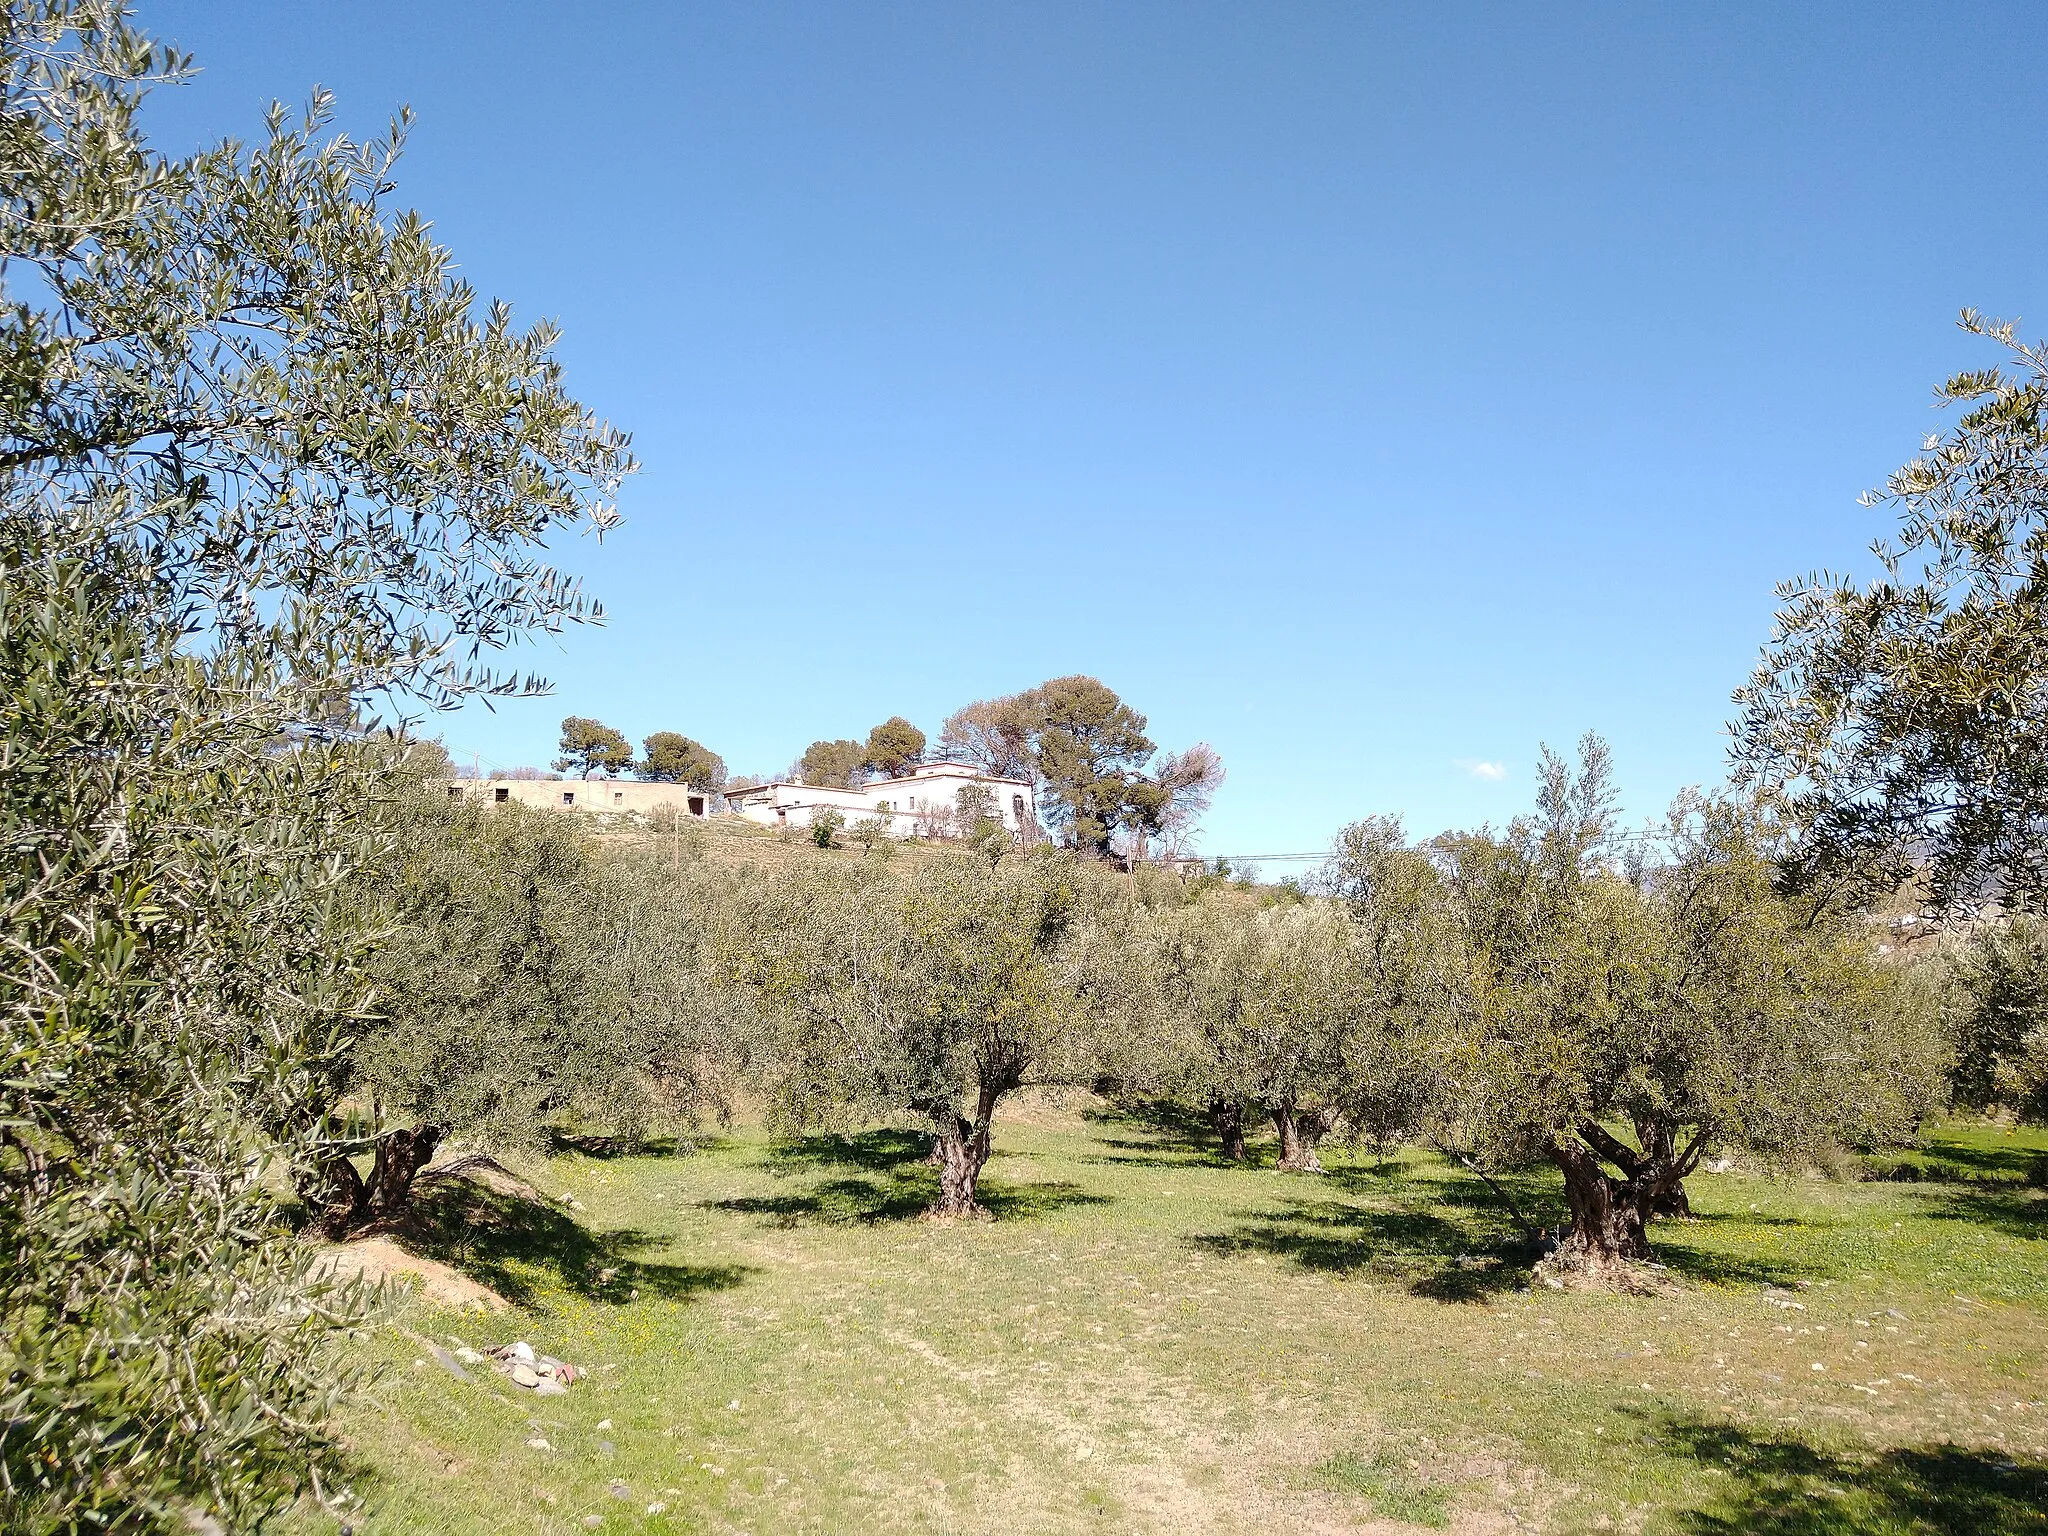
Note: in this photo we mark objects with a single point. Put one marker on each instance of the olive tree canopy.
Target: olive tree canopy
(1905, 720)
(264, 462)
(1628, 1012)
(936, 994)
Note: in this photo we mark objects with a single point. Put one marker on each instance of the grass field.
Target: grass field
(1149, 1340)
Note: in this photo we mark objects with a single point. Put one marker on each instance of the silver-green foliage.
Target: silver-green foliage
(176, 989)
(1905, 720)
(532, 977)
(1632, 1011)
(1282, 1009)
(259, 463)
(935, 994)
(1997, 1007)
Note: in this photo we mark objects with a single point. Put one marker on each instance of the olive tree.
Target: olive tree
(1905, 720)
(174, 975)
(937, 994)
(1997, 1013)
(262, 462)
(530, 977)
(1301, 1012)
(1626, 1014)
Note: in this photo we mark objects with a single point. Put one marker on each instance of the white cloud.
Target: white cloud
(1493, 773)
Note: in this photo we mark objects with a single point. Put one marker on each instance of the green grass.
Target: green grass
(1388, 1486)
(1147, 1339)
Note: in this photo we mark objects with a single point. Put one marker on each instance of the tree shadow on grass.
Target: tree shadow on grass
(1166, 1134)
(1708, 1266)
(1781, 1486)
(607, 1149)
(521, 1247)
(1953, 1159)
(1452, 1239)
(2016, 1210)
(1436, 1253)
(889, 1180)
(878, 1151)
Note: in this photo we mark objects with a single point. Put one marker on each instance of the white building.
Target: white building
(922, 803)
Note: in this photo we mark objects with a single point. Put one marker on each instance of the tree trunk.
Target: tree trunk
(961, 1149)
(353, 1203)
(1300, 1131)
(1660, 1165)
(1608, 1214)
(1668, 1199)
(1226, 1116)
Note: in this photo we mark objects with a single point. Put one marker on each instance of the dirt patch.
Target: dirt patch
(377, 1259)
(380, 1257)
(485, 1172)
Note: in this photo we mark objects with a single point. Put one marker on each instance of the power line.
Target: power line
(1262, 858)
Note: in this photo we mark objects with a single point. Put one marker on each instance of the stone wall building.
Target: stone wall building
(621, 797)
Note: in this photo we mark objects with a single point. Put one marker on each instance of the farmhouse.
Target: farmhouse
(924, 802)
(620, 797)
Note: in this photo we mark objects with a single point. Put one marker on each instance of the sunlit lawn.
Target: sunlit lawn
(1148, 1340)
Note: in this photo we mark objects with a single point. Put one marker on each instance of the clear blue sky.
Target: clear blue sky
(1372, 392)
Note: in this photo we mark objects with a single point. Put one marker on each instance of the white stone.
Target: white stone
(524, 1375)
(523, 1351)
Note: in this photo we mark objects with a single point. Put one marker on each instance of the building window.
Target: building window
(454, 791)
(501, 794)
(696, 805)
(1017, 808)
(568, 797)
(618, 797)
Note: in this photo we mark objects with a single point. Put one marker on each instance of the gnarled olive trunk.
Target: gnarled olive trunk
(1226, 1117)
(1661, 1164)
(1611, 1213)
(1608, 1214)
(350, 1203)
(1301, 1130)
(960, 1147)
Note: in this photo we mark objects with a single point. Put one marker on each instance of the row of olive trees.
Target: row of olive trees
(526, 978)
(1549, 992)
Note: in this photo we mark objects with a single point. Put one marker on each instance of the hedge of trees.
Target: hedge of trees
(1548, 992)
